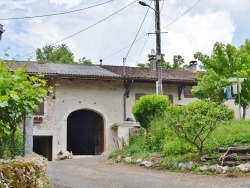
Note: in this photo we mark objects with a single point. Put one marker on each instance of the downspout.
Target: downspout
(127, 86)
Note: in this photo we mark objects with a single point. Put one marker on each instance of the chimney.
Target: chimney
(101, 62)
(192, 66)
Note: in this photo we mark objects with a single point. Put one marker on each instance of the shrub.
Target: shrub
(177, 147)
(149, 107)
(24, 172)
(196, 121)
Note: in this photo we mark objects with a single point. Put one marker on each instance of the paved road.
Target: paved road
(96, 172)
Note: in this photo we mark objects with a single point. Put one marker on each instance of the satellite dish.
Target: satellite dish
(153, 52)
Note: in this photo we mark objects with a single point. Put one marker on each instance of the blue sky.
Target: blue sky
(207, 22)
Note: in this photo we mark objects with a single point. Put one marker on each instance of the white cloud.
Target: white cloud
(67, 3)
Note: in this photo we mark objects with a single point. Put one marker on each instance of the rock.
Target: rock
(180, 165)
(224, 169)
(247, 165)
(176, 164)
(243, 168)
(219, 170)
(147, 163)
(118, 159)
(187, 166)
(203, 168)
(128, 159)
(139, 160)
(212, 168)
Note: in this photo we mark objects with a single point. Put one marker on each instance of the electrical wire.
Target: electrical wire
(162, 28)
(182, 14)
(138, 31)
(148, 35)
(86, 27)
(56, 14)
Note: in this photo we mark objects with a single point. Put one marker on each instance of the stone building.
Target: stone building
(90, 108)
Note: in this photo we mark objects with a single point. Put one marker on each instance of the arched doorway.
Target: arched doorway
(85, 133)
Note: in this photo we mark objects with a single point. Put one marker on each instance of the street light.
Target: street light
(158, 44)
(1, 31)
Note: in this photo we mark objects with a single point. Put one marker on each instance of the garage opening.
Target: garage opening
(85, 133)
(42, 145)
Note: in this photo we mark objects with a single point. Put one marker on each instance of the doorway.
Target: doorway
(42, 145)
(85, 133)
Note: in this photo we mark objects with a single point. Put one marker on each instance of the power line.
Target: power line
(148, 35)
(85, 28)
(138, 32)
(56, 14)
(182, 14)
(162, 28)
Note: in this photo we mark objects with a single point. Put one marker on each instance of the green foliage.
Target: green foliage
(84, 61)
(157, 134)
(177, 146)
(237, 133)
(6, 146)
(60, 54)
(226, 61)
(196, 121)
(207, 91)
(20, 94)
(149, 107)
(24, 173)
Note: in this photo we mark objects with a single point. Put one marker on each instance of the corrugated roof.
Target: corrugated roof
(63, 69)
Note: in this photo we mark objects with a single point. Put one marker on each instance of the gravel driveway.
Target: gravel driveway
(96, 172)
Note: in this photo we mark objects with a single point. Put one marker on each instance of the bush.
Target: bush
(149, 107)
(198, 120)
(24, 172)
(6, 146)
(177, 147)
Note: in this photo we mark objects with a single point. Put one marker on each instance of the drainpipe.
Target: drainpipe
(127, 86)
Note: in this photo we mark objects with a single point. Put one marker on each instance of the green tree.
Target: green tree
(84, 61)
(20, 95)
(149, 107)
(226, 61)
(198, 120)
(60, 54)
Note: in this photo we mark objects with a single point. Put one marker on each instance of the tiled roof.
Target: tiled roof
(148, 74)
(63, 69)
(105, 71)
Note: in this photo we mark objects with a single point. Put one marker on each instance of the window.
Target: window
(40, 111)
(187, 92)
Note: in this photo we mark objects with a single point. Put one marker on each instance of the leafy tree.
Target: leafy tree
(226, 61)
(149, 107)
(198, 120)
(84, 61)
(59, 54)
(20, 94)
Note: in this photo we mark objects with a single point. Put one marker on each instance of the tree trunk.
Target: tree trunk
(13, 143)
(244, 112)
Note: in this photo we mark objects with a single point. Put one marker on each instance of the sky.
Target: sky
(187, 26)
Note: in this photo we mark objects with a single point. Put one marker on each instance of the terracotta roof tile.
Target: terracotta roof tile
(146, 73)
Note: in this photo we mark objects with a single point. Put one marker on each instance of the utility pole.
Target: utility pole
(158, 47)
(1, 31)
(158, 44)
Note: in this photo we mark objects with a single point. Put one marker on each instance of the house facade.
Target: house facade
(90, 107)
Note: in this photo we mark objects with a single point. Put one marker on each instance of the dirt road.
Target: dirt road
(96, 172)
